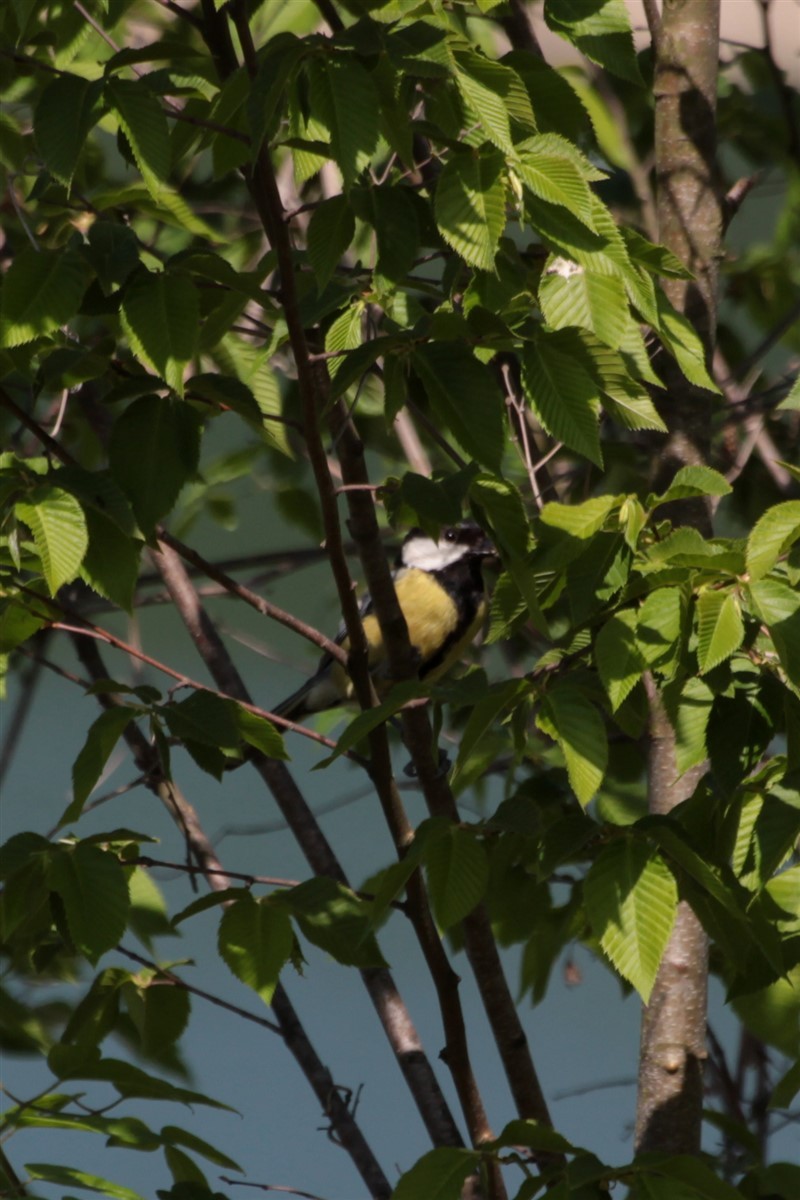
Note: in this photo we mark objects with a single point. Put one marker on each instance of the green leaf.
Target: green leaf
(564, 397)
(71, 1062)
(344, 334)
(259, 733)
(464, 397)
(695, 481)
(684, 344)
(438, 1175)
(142, 120)
(68, 109)
(631, 898)
(533, 1135)
(330, 232)
(659, 627)
(689, 712)
(773, 1014)
(547, 166)
(579, 520)
(111, 565)
(481, 718)
(786, 1088)
(92, 887)
(101, 739)
(481, 83)
(113, 253)
(600, 30)
(154, 450)
(173, 1135)
(344, 101)
(161, 316)
(73, 1178)
(255, 940)
(569, 295)
(720, 629)
(394, 216)
(56, 520)
(204, 717)
(332, 917)
(469, 204)
(41, 291)
(772, 536)
(617, 656)
(574, 722)
(458, 872)
(160, 1014)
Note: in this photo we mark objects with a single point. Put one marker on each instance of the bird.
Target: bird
(441, 592)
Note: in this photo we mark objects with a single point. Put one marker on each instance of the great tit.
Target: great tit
(441, 592)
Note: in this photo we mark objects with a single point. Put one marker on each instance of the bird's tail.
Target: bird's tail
(295, 706)
(329, 687)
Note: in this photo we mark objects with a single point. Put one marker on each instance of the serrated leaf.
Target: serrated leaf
(458, 872)
(259, 733)
(695, 481)
(255, 941)
(438, 1175)
(142, 120)
(41, 291)
(68, 109)
(631, 898)
(111, 564)
(601, 31)
(335, 919)
(573, 296)
(160, 1014)
(330, 232)
(153, 451)
(464, 397)
(57, 522)
(659, 626)
(91, 885)
(469, 204)
(617, 656)
(103, 735)
(112, 250)
(683, 343)
(344, 101)
(161, 316)
(720, 628)
(554, 176)
(564, 397)
(772, 535)
(689, 713)
(483, 102)
(579, 520)
(394, 216)
(569, 717)
(344, 334)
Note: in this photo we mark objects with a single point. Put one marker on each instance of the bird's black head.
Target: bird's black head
(455, 542)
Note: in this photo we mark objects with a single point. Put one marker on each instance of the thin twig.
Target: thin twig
(178, 982)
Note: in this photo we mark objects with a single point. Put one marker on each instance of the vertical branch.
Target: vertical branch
(670, 1099)
(689, 207)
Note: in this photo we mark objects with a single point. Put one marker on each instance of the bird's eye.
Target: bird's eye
(449, 535)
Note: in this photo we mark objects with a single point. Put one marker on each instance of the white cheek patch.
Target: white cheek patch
(428, 555)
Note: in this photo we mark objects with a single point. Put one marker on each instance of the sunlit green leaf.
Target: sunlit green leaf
(631, 900)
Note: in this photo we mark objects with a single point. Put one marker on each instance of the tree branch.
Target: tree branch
(291, 1028)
